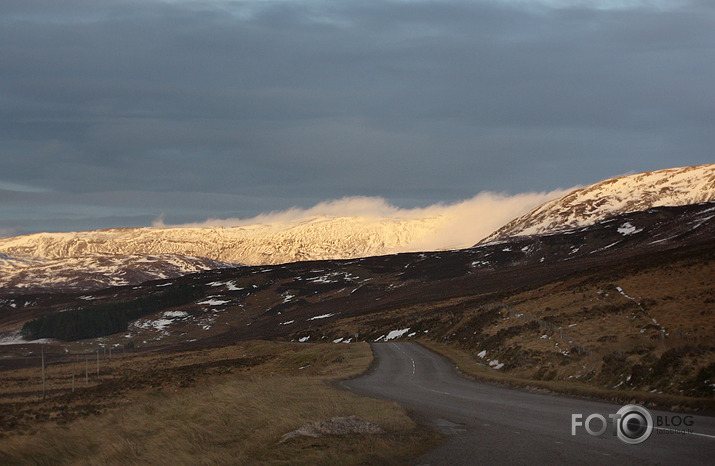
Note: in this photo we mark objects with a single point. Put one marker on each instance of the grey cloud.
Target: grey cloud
(277, 104)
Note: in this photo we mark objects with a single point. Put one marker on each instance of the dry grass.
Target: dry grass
(236, 419)
(25, 384)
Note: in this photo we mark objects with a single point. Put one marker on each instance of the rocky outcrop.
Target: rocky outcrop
(335, 426)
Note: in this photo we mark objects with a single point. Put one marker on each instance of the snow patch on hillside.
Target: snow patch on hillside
(160, 324)
(322, 316)
(214, 301)
(393, 334)
(15, 338)
(628, 229)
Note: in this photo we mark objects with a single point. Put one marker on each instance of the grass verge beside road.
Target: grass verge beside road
(468, 365)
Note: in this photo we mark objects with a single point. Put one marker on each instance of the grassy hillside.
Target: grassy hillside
(225, 405)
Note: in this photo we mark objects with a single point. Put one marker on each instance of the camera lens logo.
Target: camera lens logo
(634, 424)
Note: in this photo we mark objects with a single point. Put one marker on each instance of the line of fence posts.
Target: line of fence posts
(107, 355)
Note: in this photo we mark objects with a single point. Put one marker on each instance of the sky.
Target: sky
(134, 113)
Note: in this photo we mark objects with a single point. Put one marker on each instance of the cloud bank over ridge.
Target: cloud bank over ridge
(451, 225)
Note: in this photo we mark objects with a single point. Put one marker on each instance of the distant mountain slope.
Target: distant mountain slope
(93, 272)
(615, 196)
(95, 259)
(318, 238)
(92, 260)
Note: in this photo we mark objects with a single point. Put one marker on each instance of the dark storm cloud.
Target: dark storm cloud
(264, 105)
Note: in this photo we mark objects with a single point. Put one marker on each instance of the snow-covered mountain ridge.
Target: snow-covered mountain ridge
(102, 258)
(318, 238)
(94, 259)
(615, 196)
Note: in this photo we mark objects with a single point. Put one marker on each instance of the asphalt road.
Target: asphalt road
(486, 424)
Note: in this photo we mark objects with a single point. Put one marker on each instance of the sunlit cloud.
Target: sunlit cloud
(441, 225)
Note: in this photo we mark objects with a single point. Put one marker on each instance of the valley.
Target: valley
(618, 309)
(622, 311)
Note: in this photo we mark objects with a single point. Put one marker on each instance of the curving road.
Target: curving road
(485, 423)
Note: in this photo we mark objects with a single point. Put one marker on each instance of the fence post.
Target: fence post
(43, 371)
